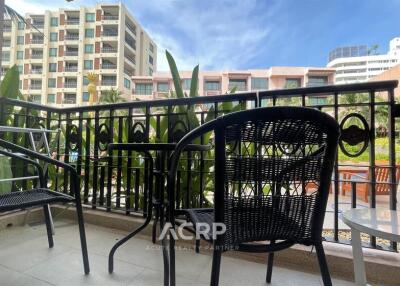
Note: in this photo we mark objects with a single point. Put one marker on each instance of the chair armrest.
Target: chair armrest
(32, 162)
(44, 158)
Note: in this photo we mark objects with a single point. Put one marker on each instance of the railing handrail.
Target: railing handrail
(321, 90)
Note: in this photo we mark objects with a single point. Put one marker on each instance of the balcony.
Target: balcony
(110, 17)
(35, 86)
(71, 69)
(70, 84)
(6, 29)
(72, 22)
(37, 41)
(130, 59)
(72, 37)
(103, 189)
(36, 56)
(109, 33)
(109, 82)
(109, 66)
(109, 50)
(36, 71)
(71, 53)
(38, 25)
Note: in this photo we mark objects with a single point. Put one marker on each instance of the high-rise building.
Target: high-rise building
(57, 49)
(219, 82)
(360, 63)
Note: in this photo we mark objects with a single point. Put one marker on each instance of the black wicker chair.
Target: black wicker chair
(41, 195)
(264, 159)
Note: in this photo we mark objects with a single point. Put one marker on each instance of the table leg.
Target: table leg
(359, 267)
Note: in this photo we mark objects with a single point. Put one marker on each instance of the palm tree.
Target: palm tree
(111, 96)
(92, 86)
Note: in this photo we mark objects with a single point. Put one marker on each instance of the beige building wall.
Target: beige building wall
(391, 74)
(219, 82)
(104, 39)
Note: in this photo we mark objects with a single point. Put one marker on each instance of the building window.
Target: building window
(52, 52)
(85, 81)
(150, 59)
(54, 21)
(239, 84)
(292, 83)
(127, 83)
(20, 40)
(212, 85)
(186, 82)
(21, 25)
(258, 83)
(20, 55)
(20, 69)
(51, 82)
(51, 98)
(53, 37)
(89, 33)
(150, 71)
(162, 87)
(88, 65)
(144, 88)
(317, 80)
(70, 98)
(89, 49)
(317, 100)
(37, 98)
(52, 67)
(85, 96)
(90, 17)
(151, 47)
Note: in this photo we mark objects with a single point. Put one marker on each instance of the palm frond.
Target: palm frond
(11, 14)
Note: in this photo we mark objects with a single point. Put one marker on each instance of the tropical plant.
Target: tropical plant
(111, 96)
(92, 86)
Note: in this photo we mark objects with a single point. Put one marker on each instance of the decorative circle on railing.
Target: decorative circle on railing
(138, 133)
(355, 134)
(103, 136)
(73, 137)
(179, 129)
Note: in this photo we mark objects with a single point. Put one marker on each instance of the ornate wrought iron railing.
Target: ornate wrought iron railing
(366, 113)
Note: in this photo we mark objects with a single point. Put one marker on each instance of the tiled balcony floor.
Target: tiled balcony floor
(25, 259)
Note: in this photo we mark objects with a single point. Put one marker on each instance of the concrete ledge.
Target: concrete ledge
(383, 268)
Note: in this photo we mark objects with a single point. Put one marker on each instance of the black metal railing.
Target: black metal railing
(366, 112)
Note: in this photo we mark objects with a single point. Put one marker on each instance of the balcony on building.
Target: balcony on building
(129, 57)
(130, 26)
(69, 98)
(110, 31)
(6, 43)
(108, 65)
(37, 22)
(37, 54)
(72, 36)
(129, 71)
(130, 41)
(5, 56)
(71, 67)
(109, 48)
(36, 69)
(70, 82)
(36, 98)
(71, 51)
(72, 17)
(36, 84)
(108, 80)
(110, 13)
(7, 27)
(212, 86)
(37, 39)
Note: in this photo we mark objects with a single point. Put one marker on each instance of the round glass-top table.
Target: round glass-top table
(382, 223)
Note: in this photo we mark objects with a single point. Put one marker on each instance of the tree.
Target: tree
(92, 86)
(111, 96)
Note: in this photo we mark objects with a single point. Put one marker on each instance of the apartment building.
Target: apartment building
(359, 63)
(219, 82)
(57, 49)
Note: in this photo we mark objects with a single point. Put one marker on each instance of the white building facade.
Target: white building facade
(357, 64)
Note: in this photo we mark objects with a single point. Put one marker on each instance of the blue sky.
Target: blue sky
(246, 34)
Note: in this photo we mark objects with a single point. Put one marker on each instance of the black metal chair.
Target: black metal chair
(41, 195)
(264, 159)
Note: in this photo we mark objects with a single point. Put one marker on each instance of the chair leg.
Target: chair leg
(83, 238)
(269, 267)
(46, 209)
(323, 265)
(216, 264)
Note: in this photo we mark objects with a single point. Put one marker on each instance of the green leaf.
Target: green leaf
(9, 87)
(194, 83)
(175, 75)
